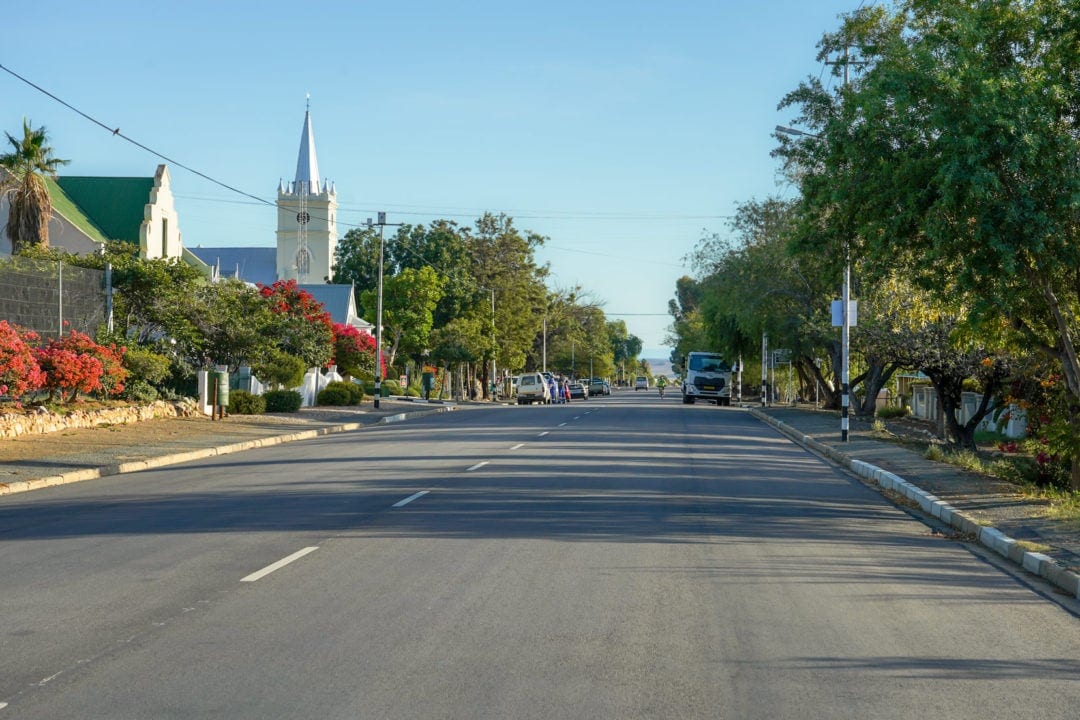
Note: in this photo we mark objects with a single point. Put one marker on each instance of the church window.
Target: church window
(303, 261)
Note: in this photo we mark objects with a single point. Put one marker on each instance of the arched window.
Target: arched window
(303, 261)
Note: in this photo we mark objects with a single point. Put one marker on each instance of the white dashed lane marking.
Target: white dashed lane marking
(414, 496)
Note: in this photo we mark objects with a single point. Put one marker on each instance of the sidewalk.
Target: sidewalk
(36, 461)
(987, 509)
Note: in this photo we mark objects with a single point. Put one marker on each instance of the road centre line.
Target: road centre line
(542, 434)
(414, 496)
(278, 565)
(562, 424)
(518, 446)
(477, 466)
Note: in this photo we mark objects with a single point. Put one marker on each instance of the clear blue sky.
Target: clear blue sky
(620, 130)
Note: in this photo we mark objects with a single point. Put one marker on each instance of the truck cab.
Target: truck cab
(706, 376)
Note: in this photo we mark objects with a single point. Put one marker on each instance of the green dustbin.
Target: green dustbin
(222, 387)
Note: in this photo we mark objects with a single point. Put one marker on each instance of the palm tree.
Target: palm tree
(28, 165)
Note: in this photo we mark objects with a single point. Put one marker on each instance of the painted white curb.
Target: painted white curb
(1034, 562)
(18, 486)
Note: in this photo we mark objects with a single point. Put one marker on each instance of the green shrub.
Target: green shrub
(241, 402)
(283, 401)
(893, 411)
(139, 391)
(356, 393)
(393, 387)
(144, 364)
(280, 369)
(334, 396)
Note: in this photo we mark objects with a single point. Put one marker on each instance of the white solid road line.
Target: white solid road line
(278, 565)
(414, 496)
(518, 446)
(477, 466)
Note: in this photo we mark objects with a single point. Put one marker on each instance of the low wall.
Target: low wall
(41, 421)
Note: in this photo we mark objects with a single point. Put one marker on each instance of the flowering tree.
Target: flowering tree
(74, 363)
(304, 327)
(19, 369)
(354, 351)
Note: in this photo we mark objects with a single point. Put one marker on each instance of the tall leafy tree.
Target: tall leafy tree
(955, 153)
(28, 164)
(503, 259)
(624, 347)
(409, 301)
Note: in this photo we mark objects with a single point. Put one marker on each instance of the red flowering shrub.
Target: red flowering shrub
(74, 363)
(19, 369)
(354, 351)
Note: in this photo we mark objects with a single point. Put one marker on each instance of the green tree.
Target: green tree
(356, 261)
(409, 302)
(624, 347)
(954, 154)
(232, 326)
(502, 259)
(28, 164)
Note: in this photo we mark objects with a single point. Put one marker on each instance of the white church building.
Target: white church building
(306, 240)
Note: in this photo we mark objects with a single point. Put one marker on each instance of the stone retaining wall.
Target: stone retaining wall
(42, 421)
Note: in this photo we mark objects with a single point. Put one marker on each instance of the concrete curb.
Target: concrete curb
(992, 538)
(176, 458)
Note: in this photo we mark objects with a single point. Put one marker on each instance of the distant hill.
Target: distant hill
(660, 366)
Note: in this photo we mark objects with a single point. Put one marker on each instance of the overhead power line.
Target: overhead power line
(116, 133)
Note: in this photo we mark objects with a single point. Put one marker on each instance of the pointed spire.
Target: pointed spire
(307, 165)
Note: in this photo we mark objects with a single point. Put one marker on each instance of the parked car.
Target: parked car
(532, 387)
(641, 383)
(578, 391)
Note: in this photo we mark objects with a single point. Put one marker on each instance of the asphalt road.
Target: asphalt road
(615, 558)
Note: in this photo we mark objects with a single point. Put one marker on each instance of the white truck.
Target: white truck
(706, 376)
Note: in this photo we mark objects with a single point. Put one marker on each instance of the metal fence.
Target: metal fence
(50, 297)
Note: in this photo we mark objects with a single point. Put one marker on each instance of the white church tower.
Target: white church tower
(307, 219)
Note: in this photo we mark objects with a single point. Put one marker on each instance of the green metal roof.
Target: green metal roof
(116, 205)
(65, 206)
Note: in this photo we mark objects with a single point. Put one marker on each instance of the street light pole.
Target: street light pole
(845, 310)
(378, 312)
(544, 352)
(493, 380)
(378, 315)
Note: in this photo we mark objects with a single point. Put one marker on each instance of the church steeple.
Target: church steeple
(307, 226)
(307, 164)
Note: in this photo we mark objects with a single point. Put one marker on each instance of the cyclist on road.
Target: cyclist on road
(661, 383)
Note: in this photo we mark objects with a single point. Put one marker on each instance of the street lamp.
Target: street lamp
(845, 311)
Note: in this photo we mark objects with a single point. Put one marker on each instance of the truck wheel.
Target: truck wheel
(688, 400)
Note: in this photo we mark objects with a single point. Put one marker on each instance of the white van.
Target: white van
(531, 388)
